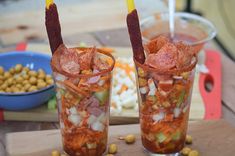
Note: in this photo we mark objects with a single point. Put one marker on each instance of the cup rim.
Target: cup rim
(171, 71)
(208, 23)
(102, 72)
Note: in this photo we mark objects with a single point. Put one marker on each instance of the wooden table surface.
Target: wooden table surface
(203, 140)
(102, 34)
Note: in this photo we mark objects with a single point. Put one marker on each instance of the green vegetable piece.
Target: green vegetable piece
(102, 96)
(176, 136)
(161, 137)
(51, 104)
(181, 98)
(91, 145)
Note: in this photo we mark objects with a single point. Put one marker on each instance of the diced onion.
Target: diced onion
(74, 119)
(177, 112)
(97, 126)
(159, 116)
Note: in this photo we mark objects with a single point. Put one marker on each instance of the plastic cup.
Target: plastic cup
(164, 101)
(83, 107)
(190, 28)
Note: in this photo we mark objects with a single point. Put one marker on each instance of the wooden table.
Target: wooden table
(203, 140)
(101, 32)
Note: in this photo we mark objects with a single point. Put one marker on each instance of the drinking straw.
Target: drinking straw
(134, 32)
(53, 26)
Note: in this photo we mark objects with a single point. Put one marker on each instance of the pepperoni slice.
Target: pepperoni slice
(100, 64)
(185, 54)
(69, 61)
(155, 45)
(165, 58)
(85, 59)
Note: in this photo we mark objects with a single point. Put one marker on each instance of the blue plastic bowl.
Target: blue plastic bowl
(23, 101)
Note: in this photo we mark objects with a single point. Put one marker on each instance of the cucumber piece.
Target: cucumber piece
(102, 96)
(160, 137)
(181, 98)
(51, 104)
(91, 145)
(176, 136)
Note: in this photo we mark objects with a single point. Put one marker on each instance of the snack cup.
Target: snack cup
(164, 101)
(83, 106)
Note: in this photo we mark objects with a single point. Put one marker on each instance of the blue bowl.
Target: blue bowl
(23, 101)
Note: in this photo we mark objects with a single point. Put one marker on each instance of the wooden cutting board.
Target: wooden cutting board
(210, 138)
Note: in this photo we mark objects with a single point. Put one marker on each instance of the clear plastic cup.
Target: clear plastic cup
(164, 101)
(190, 28)
(83, 107)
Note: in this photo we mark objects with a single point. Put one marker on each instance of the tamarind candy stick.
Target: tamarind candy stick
(53, 26)
(134, 32)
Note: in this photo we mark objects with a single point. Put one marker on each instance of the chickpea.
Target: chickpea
(22, 90)
(40, 80)
(15, 90)
(8, 90)
(25, 82)
(142, 82)
(48, 76)
(109, 155)
(7, 75)
(25, 77)
(33, 73)
(26, 69)
(2, 77)
(32, 88)
(141, 72)
(193, 153)
(130, 139)
(1, 82)
(27, 86)
(10, 81)
(112, 149)
(49, 81)
(4, 86)
(32, 80)
(12, 71)
(41, 85)
(14, 82)
(189, 139)
(41, 71)
(185, 151)
(19, 79)
(19, 85)
(55, 153)
(1, 70)
(18, 68)
(41, 76)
